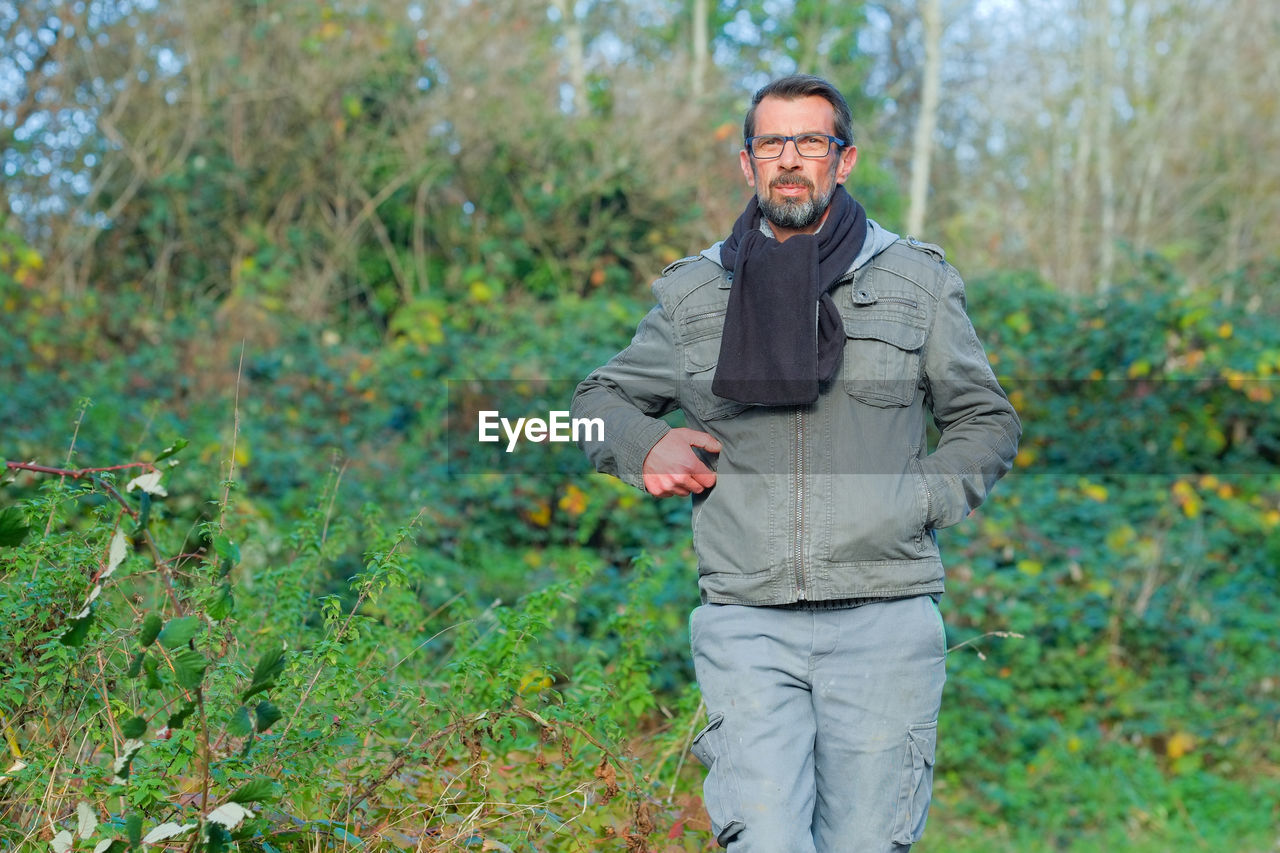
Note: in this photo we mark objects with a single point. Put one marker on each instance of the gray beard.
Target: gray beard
(794, 214)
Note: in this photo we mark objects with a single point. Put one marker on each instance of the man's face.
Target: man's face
(794, 191)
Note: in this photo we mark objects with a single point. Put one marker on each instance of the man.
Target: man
(804, 351)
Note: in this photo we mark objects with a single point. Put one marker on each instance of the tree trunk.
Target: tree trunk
(575, 55)
(927, 121)
(698, 74)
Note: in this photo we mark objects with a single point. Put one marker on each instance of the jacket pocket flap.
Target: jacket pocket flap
(701, 338)
(899, 331)
(701, 355)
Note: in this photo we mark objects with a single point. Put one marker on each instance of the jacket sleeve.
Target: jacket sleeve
(979, 427)
(629, 395)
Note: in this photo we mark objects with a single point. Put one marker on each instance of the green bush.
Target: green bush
(199, 684)
(513, 638)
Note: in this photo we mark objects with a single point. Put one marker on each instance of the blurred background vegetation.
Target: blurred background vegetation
(275, 242)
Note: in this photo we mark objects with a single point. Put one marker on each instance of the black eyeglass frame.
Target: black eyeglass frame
(840, 143)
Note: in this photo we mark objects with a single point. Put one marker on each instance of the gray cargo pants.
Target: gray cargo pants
(822, 724)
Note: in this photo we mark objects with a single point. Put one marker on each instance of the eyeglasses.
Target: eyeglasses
(811, 145)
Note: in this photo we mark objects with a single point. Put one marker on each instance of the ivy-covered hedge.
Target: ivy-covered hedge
(344, 616)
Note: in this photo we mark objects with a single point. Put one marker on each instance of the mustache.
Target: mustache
(792, 180)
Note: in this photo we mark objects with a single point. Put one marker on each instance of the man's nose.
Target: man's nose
(790, 157)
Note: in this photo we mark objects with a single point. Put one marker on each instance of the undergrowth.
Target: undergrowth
(162, 687)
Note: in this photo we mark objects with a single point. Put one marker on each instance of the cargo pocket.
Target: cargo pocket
(720, 792)
(700, 337)
(917, 783)
(882, 353)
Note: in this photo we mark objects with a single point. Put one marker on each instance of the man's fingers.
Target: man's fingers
(681, 485)
(673, 468)
(703, 440)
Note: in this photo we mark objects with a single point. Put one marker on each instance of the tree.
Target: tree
(927, 120)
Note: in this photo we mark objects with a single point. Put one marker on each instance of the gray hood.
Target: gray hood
(878, 239)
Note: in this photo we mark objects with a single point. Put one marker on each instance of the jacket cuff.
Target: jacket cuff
(633, 448)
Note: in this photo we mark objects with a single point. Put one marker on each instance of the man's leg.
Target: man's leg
(876, 696)
(752, 666)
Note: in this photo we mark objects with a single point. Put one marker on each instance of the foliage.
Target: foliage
(499, 643)
(1135, 547)
(162, 683)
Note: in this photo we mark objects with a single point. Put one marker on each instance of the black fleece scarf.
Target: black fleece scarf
(772, 352)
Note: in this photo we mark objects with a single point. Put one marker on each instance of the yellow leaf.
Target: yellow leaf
(1225, 330)
(541, 515)
(1030, 568)
(574, 500)
(534, 680)
(1179, 745)
(1095, 491)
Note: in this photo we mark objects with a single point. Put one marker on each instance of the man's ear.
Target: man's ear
(848, 157)
(748, 170)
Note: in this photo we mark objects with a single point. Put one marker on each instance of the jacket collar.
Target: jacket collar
(878, 239)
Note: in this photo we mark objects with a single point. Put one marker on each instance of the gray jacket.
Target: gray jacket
(838, 499)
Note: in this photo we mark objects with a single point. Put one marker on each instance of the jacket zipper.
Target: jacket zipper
(799, 519)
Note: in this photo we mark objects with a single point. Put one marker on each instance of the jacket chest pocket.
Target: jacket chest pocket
(884, 345)
(700, 344)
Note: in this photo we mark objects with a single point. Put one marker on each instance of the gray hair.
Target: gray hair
(799, 86)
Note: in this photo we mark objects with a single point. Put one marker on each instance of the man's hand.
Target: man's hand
(672, 468)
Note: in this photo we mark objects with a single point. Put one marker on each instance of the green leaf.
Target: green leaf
(133, 826)
(221, 603)
(265, 715)
(151, 625)
(269, 667)
(240, 723)
(178, 718)
(188, 668)
(179, 632)
(178, 444)
(144, 514)
(134, 727)
(79, 631)
(135, 665)
(13, 526)
(218, 838)
(226, 549)
(152, 669)
(256, 791)
(229, 552)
